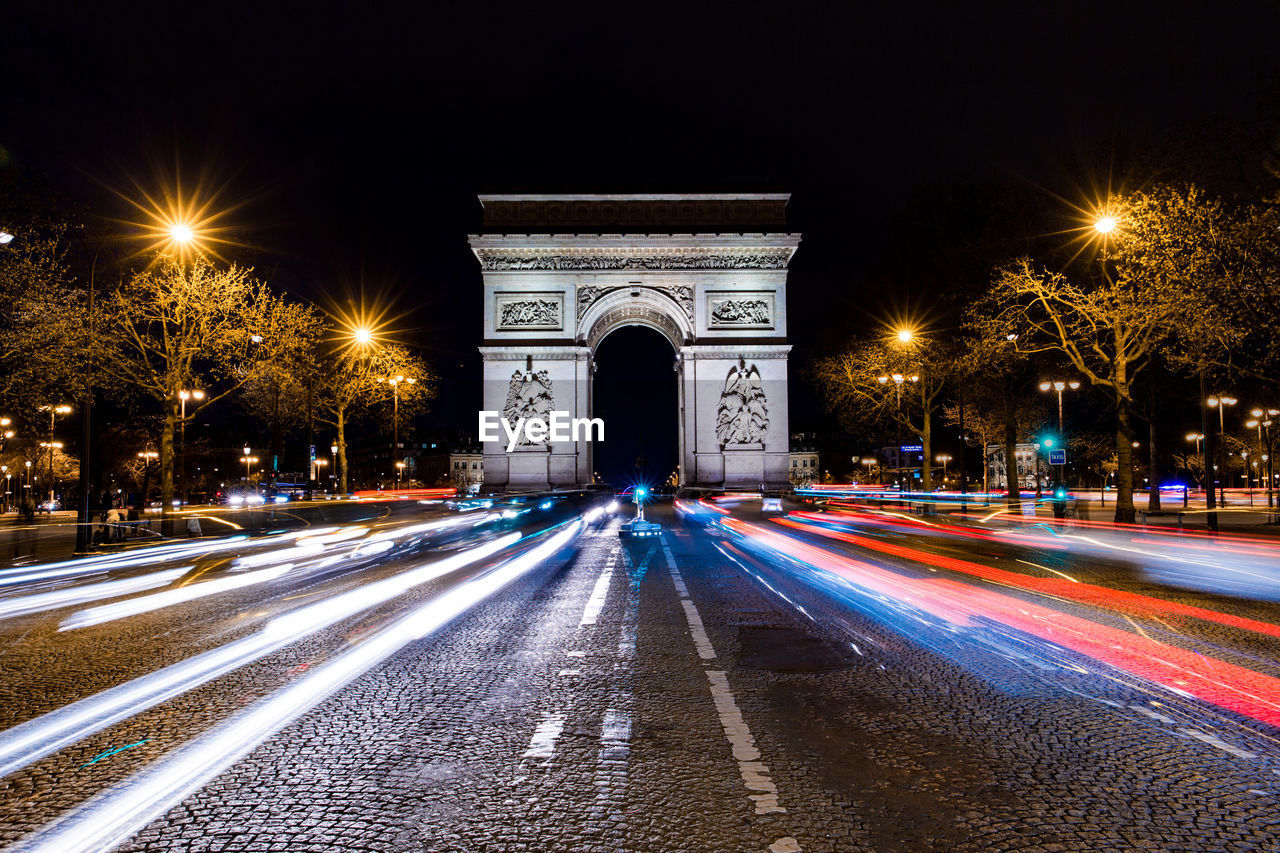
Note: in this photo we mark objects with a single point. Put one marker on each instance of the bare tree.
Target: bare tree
(353, 383)
(1108, 332)
(895, 383)
(195, 326)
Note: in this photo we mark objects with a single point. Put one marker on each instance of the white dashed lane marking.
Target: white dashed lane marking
(543, 742)
(596, 602)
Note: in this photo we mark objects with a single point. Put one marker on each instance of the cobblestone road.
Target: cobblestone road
(718, 688)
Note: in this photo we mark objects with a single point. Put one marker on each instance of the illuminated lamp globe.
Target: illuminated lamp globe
(1105, 224)
(181, 233)
(363, 335)
(905, 335)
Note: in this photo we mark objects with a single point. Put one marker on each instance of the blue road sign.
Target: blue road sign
(1057, 457)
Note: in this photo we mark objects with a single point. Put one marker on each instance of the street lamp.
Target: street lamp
(399, 472)
(5, 238)
(183, 396)
(1105, 224)
(54, 411)
(1265, 449)
(898, 381)
(944, 458)
(905, 336)
(1220, 402)
(248, 461)
(395, 382)
(1060, 385)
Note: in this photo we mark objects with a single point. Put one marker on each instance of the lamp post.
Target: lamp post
(183, 396)
(395, 382)
(1060, 385)
(54, 411)
(1220, 402)
(320, 464)
(1262, 419)
(899, 380)
(399, 471)
(944, 458)
(248, 461)
(4, 469)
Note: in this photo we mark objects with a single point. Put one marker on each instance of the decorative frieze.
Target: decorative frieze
(491, 260)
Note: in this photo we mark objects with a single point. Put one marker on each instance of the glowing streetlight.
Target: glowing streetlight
(53, 411)
(1104, 224)
(5, 238)
(905, 336)
(183, 396)
(395, 382)
(362, 335)
(181, 232)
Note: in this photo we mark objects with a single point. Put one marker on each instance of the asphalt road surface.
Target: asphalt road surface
(523, 679)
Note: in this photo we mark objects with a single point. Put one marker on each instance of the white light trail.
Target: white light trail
(168, 598)
(89, 592)
(43, 735)
(111, 562)
(113, 816)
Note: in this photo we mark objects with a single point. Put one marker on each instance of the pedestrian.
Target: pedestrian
(114, 530)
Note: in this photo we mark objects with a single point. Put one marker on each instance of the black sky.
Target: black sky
(355, 140)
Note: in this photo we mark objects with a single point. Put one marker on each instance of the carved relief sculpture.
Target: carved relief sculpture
(740, 312)
(530, 312)
(682, 294)
(588, 295)
(529, 396)
(743, 413)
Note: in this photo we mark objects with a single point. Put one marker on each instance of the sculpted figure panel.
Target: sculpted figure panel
(529, 396)
(746, 312)
(742, 416)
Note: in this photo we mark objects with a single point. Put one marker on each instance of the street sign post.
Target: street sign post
(1057, 457)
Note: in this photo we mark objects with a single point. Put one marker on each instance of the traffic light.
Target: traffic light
(1060, 494)
(641, 491)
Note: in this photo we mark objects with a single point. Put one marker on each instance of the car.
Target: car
(50, 506)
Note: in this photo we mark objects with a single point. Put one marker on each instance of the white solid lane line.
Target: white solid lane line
(755, 774)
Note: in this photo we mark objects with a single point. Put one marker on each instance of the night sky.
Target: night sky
(352, 143)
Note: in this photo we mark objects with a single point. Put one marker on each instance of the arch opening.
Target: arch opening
(636, 394)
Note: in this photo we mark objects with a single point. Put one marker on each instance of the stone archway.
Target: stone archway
(718, 297)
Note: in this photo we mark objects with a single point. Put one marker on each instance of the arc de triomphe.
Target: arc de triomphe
(708, 272)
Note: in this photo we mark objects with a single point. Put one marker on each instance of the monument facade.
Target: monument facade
(707, 272)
